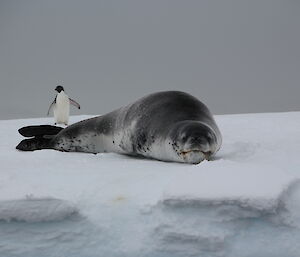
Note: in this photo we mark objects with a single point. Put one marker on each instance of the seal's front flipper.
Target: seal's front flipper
(39, 130)
(36, 143)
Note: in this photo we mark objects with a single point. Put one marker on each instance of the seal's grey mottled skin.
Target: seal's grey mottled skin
(167, 126)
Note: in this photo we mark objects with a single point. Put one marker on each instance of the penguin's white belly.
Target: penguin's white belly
(62, 109)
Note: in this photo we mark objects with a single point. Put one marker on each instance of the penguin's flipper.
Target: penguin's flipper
(51, 105)
(36, 143)
(73, 102)
(39, 131)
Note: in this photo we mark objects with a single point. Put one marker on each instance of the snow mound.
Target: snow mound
(36, 210)
(255, 195)
(225, 209)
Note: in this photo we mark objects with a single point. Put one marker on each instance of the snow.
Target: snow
(245, 202)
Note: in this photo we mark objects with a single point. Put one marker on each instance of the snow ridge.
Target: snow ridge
(36, 210)
(215, 227)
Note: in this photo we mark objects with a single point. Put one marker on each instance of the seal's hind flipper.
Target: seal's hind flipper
(36, 143)
(39, 130)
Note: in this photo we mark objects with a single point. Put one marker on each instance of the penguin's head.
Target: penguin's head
(59, 88)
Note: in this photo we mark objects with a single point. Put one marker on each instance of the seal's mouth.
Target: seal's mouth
(196, 151)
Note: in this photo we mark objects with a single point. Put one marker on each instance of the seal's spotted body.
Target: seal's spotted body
(168, 126)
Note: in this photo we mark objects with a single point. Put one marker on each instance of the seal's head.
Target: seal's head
(59, 89)
(193, 141)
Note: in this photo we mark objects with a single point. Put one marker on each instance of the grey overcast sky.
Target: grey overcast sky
(236, 56)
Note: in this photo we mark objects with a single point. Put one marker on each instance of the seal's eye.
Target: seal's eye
(183, 137)
(209, 137)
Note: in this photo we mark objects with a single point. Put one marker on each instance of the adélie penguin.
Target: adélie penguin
(61, 106)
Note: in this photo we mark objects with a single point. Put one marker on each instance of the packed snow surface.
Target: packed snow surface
(245, 202)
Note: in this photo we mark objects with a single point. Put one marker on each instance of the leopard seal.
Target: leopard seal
(168, 126)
